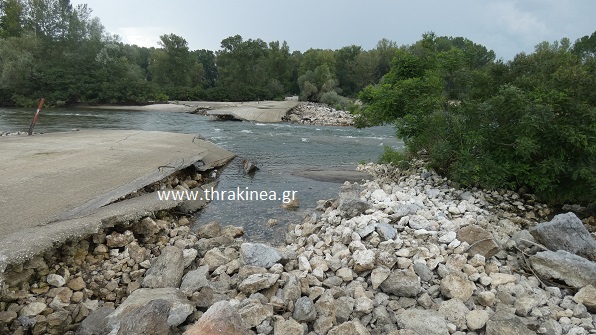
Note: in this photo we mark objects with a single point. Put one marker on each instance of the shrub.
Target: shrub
(398, 158)
(160, 97)
(333, 99)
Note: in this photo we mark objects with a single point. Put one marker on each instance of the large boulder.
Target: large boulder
(427, 322)
(587, 297)
(350, 203)
(454, 311)
(195, 280)
(180, 307)
(209, 230)
(566, 232)
(481, 241)
(574, 270)
(502, 323)
(287, 327)
(150, 319)
(96, 323)
(259, 254)
(349, 328)
(304, 310)
(221, 318)
(146, 227)
(364, 260)
(386, 231)
(257, 282)
(402, 283)
(254, 313)
(167, 270)
(457, 287)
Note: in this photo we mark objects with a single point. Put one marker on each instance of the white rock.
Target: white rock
(501, 279)
(33, 309)
(454, 244)
(364, 260)
(378, 276)
(476, 319)
(485, 280)
(303, 264)
(55, 280)
(378, 195)
(448, 237)
(189, 255)
(345, 274)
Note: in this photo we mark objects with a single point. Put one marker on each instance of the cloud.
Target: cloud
(141, 36)
(510, 27)
(517, 22)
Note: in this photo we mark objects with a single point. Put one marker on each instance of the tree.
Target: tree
(281, 68)
(241, 67)
(11, 21)
(171, 66)
(207, 59)
(314, 58)
(314, 84)
(585, 46)
(17, 68)
(384, 52)
(345, 66)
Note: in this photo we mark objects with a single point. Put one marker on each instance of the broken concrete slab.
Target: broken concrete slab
(263, 111)
(58, 176)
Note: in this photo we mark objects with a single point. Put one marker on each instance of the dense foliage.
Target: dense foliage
(528, 123)
(53, 49)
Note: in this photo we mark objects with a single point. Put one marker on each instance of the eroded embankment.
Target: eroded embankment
(52, 292)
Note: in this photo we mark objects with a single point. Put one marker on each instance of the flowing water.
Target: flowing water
(278, 149)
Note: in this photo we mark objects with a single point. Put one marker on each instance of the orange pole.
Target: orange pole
(35, 117)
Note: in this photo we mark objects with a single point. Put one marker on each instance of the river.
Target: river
(278, 149)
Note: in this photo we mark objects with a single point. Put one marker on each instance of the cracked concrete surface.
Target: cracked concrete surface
(57, 176)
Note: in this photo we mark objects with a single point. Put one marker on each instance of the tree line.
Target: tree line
(53, 49)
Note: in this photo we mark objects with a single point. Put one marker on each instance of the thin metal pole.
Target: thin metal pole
(35, 117)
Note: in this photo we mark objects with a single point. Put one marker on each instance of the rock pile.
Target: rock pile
(401, 254)
(319, 114)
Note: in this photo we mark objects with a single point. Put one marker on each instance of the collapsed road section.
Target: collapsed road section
(62, 186)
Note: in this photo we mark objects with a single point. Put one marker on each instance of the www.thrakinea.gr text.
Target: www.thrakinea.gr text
(237, 194)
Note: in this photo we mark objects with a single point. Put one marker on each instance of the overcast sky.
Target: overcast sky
(505, 26)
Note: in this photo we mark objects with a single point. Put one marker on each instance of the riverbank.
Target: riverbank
(404, 253)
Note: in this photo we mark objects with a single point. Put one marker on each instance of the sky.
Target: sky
(504, 26)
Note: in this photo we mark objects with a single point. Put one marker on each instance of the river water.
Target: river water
(278, 149)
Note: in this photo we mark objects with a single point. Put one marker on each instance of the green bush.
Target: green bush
(398, 158)
(335, 100)
(22, 101)
(160, 97)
